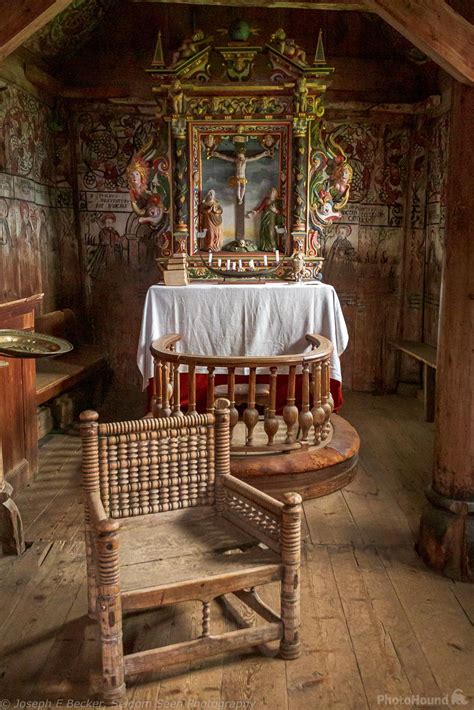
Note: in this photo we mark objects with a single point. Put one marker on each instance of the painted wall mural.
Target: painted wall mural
(363, 244)
(123, 184)
(38, 245)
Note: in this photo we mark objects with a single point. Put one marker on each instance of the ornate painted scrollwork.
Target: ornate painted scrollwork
(330, 178)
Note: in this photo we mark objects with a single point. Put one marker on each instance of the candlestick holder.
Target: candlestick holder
(258, 272)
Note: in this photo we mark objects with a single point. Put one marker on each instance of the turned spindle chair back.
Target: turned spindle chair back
(160, 510)
(147, 466)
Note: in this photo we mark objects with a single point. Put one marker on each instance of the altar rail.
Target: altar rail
(306, 425)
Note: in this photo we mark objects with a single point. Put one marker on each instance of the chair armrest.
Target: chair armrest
(264, 501)
(99, 517)
(251, 510)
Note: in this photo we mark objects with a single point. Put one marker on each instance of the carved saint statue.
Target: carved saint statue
(210, 214)
(270, 209)
(239, 181)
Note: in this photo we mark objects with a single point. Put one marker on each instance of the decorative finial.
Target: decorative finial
(319, 57)
(158, 60)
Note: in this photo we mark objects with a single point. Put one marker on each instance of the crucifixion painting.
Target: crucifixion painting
(251, 172)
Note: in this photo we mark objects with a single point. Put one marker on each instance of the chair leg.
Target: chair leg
(290, 584)
(91, 572)
(109, 614)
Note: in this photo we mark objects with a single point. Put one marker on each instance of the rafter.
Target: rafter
(22, 18)
(435, 28)
(303, 4)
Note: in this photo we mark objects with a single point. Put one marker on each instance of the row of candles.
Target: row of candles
(238, 265)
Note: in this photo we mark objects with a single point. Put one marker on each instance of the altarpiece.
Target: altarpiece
(254, 178)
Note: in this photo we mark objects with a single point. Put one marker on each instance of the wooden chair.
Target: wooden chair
(161, 512)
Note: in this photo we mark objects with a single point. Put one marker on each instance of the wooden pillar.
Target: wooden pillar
(446, 539)
(300, 173)
(180, 178)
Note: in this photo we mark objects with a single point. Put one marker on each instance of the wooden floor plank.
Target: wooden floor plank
(440, 624)
(342, 687)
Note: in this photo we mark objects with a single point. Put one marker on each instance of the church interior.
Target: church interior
(236, 354)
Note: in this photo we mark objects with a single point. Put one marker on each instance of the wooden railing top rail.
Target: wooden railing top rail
(162, 349)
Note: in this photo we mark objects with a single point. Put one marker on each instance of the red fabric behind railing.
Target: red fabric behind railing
(282, 384)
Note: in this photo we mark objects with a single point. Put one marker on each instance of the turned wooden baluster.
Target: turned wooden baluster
(191, 389)
(325, 403)
(222, 450)
(157, 399)
(206, 618)
(250, 416)
(210, 389)
(234, 414)
(165, 390)
(270, 423)
(305, 416)
(290, 411)
(317, 410)
(176, 392)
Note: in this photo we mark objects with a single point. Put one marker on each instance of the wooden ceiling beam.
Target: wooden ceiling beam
(434, 28)
(22, 18)
(297, 4)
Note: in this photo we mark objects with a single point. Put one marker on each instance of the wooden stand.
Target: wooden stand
(446, 540)
(12, 541)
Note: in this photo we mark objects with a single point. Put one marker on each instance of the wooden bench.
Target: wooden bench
(426, 354)
(54, 376)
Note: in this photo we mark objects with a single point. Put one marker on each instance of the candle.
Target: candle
(227, 265)
(277, 256)
(209, 260)
(265, 260)
(251, 264)
(234, 266)
(240, 264)
(219, 263)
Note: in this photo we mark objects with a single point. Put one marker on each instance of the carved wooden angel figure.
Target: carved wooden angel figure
(301, 96)
(176, 97)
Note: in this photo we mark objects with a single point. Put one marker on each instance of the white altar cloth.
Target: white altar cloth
(242, 319)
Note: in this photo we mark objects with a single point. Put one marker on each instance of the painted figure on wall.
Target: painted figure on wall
(108, 240)
(270, 209)
(210, 213)
(341, 257)
(5, 234)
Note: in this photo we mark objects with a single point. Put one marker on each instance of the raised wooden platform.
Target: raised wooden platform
(312, 473)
